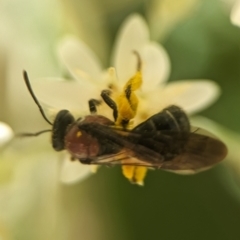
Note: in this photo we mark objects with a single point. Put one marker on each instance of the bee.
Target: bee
(163, 141)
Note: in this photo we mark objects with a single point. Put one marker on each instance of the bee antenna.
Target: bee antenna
(32, 134)
(26, 79)
(19, 135)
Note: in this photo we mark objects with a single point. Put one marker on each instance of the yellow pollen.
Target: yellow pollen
(79, 134)
(127, 104)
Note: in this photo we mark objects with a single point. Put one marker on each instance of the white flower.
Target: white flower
(233, 8)
(6, 134)
(91, 78)
(235, 13)
(24, 25)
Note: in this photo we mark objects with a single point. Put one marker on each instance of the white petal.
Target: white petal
(6, 133)
(133, 35)
(192, 96)
(156, 66)
(73, 171)
(79, 59)
(62, 94)
(235, 14)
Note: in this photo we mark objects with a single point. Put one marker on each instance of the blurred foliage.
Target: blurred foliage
(171, 206)
(208, 46)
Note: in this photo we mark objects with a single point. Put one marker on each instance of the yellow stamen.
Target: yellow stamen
(135, 174)
(127, 104)
(127, 101)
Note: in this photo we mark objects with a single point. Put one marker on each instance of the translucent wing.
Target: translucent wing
(182, 152)
(200, 152)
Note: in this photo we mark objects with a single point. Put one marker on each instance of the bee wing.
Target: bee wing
(200, 153)
(130, 153)
(124, 157)
(189, 152)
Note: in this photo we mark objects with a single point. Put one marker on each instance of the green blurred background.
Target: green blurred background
(204, 44)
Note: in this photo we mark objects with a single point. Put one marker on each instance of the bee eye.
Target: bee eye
(62, 121)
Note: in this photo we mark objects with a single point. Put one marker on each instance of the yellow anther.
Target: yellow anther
(127, 104)
(127, 101)
(135, 174)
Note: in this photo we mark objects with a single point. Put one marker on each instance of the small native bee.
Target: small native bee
(163, 141)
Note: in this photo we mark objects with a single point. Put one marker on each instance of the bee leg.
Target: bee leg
(93, 103)
(105, 94)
